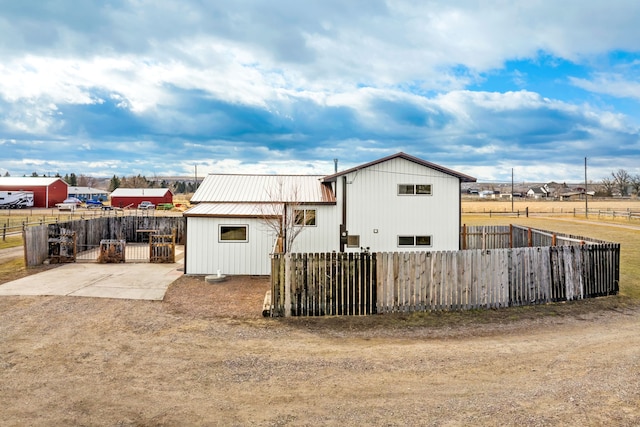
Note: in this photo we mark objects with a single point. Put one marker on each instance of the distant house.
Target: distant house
(132, 197)
(537, 193)
(46, 191)
(397, 203)
(88, 193)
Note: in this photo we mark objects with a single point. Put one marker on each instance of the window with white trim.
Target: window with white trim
(414, 241)
(415, 189)
(234, 233)
(305, 217)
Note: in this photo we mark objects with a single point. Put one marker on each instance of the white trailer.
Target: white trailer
(16, 199)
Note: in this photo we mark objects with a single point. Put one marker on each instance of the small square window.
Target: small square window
(414, 241)
(415, 189)
(310, 217)
(305, 217)
(406, 189)
(353, 241)
(406, 241)
(423, 189)
(423, 240)
(233, 233)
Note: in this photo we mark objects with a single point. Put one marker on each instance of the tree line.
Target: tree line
(621, 182)
(139, 181)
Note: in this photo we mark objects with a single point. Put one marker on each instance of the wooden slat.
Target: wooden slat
(358, 284)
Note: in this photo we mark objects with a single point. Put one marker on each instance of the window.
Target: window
(414, 189)
(353, 241)
(234, 233)
(414, 241)
(305, 217)
(406, 189)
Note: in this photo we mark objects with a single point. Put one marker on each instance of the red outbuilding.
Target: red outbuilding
(46, 191)
(132, 197)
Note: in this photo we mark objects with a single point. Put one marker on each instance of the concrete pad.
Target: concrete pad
(125, 281)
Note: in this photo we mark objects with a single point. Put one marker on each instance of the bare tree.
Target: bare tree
(608, 185)
(635, 184)
(86, 181)
(282, 214)
(621, 180)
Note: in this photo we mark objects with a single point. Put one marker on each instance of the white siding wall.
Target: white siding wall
(373, 204)
(206, 254)
(325, 236)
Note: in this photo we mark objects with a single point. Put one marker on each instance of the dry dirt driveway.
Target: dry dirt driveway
(204, 356)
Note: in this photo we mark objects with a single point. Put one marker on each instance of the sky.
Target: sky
(182, 88)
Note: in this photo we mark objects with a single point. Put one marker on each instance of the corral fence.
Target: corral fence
(147, 239)
(610, 213)
(501, 266)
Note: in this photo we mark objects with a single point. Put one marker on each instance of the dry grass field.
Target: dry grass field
(205, 356)
(470, 205)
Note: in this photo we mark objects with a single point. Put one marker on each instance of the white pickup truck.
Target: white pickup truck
(146, 205)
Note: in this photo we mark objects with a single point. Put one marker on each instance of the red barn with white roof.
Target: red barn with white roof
(132, 197)
(46, 191)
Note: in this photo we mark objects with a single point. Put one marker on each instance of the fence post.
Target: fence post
(4, 232)
(526, 211)
(484, 235)
(464, 236)
(511, 236)
(287, 284)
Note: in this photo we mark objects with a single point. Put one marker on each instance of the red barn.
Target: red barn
(46, 191)
(132, 197)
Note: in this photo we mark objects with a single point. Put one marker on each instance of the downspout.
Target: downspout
(284, 229)
(184, 254)
(343, 226)
(459, 210)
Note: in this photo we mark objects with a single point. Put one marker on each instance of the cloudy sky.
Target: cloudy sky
(158, 87)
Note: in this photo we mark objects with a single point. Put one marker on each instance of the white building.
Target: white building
(397, 203)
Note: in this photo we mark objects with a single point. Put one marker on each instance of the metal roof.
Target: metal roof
(28, 180)
(225, 188)
(461, 176)
(256, 210)
(86, 190)
(139, 192)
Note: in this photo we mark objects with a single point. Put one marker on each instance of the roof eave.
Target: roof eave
(462, 177)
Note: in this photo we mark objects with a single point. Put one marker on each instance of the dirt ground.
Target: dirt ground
(205, 356)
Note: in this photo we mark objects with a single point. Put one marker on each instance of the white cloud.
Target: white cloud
(615, 85)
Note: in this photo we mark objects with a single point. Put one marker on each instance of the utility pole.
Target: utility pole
(586, 190)
(511, 190)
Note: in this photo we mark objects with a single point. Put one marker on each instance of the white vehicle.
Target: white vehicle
(16, 199)
(146, 205)
(66, 206)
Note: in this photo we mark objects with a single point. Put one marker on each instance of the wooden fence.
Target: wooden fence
(500, 276)
(90, 232)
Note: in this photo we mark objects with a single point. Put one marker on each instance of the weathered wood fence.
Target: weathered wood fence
(90, 232)
(497, 274)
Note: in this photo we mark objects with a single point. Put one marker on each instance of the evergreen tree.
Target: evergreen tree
(114, 183)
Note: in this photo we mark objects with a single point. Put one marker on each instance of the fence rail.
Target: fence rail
(498, 274)
(628, 214)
